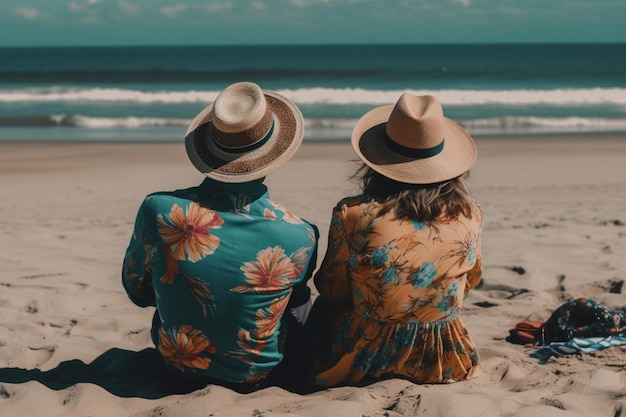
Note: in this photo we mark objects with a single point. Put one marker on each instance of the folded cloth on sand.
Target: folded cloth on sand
(528, 331)
(577, 344)
(579, 318)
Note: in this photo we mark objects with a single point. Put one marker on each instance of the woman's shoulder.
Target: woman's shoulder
(353, 201)
(475, 219)
(477, 211)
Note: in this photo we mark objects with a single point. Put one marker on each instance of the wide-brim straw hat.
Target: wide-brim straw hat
(413, 142)
(245, 134)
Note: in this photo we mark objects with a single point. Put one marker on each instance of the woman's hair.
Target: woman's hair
(442, 201)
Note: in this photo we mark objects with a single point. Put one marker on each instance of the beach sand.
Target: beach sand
(74, 345)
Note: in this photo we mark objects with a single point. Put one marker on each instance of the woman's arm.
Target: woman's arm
(331, 280)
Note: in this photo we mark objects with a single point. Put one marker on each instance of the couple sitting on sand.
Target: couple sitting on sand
(227, 268)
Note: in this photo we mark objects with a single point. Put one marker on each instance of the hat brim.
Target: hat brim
(234, 167)
(368, 141)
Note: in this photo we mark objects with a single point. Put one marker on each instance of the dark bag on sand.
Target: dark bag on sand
(581, 317)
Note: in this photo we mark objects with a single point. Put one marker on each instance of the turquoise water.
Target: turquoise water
(152, 93)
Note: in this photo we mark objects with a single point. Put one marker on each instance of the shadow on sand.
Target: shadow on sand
(121, 372)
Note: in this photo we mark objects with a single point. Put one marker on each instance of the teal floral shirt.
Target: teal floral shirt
(222, 263)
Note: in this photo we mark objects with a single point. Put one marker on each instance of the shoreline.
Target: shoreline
(308, 140)
(502, 154)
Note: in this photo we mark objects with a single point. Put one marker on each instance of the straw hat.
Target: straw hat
(246, 134)
(412, 142)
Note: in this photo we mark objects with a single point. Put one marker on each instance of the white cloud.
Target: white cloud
(258, 5)
(28, 13)
(175, 10)
(76, 6)
(297, 3)
(512, 11)
(86, 12)
(128, 8)
(215, 7)
(465, 3)
(172, 11)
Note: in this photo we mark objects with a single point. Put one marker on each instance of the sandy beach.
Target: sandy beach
(72, 343)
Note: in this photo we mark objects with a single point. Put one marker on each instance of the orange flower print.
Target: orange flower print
(311, 235)
(184, 347)
(270, 272)
(299, 259)
(131, 263)
(267, 319)
(200, 291)
(239, 213)
(148, 249)
(267, 213)
(255, 377)
(171, 266)
(188, 233)
(252, 343)
(130, 266)
(287, 215)
(245, 342)
(134, 278)
(409, 241)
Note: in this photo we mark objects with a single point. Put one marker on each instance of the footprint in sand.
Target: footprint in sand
(404, 404)
(30, 356)
(72, 394)
(4, 393)
(613, 286)
(32, 307)
(518, 269)
(485, 304)
(498, 291)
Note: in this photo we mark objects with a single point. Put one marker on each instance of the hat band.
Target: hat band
(412, 152)
(248, 148)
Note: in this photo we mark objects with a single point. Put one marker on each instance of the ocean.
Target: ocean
(152, 93)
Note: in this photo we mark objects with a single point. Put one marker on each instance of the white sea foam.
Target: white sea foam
(327, 96)
(342, 128)
(328, 127)
(463, 97)
(127, 122)
(57, 94)
(551, 122)
(522, 125)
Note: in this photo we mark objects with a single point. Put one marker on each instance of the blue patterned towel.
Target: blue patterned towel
(577, 344)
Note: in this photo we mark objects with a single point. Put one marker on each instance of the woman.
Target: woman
(401, 255)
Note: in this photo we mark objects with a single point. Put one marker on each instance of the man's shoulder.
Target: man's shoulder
(180, 197)
(189, 193)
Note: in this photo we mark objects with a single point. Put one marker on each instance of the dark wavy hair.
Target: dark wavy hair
(442, 201)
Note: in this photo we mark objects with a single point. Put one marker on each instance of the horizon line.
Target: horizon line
(246, 45)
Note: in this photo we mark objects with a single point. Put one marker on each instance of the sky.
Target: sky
(257, 22)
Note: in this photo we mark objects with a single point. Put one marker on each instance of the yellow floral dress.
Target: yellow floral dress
(390, 295)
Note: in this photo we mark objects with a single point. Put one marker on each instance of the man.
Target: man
(222, 262)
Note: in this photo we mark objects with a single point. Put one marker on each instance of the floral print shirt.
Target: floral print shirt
(392, 290)
(222, 263)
